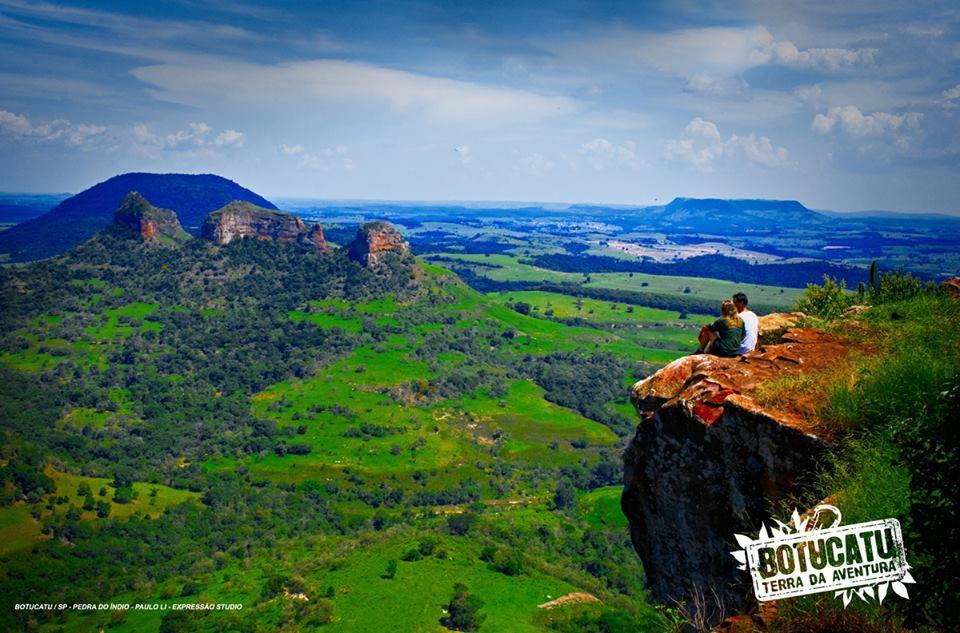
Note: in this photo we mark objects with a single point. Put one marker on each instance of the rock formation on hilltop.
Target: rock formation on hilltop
(242, 220)
(137, 215)
(709, 460)
(374, 241)
(79, 217)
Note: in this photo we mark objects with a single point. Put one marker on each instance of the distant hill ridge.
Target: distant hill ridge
(191, 196)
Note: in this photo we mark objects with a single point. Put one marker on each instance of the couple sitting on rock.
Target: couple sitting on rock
(734, 333)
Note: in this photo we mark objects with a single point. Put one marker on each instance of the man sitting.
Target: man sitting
(751, 325)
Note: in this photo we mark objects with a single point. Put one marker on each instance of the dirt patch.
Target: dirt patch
(570, 598)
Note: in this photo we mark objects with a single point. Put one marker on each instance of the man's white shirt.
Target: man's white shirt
(750, 327)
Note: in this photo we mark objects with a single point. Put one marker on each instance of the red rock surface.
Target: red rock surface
(374, 241)
(709, 459)
(702, 383)
(775, 324)
(136, 214)
(243, 220)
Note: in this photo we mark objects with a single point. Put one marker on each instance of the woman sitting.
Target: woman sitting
(723, 336)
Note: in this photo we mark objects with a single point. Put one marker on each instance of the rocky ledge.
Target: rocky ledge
(243, 220)
(709, 460)
(137, 215)
(375, 241)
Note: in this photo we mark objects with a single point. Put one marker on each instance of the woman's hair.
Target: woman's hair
(729, 312)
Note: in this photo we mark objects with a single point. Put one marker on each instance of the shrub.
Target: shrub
(463, 610)
(827, 301)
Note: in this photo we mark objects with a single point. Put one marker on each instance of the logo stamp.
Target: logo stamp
(808, 556)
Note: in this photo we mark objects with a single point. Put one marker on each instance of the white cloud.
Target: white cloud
(702, 147)
(291, 150)
(19, 126)
(707, 85)
(601, 153)
(811, 95)
(951, 96)
(230, 138)
(871, 133)
(787, 54)
(706, 56)
(196, 136)
(143, 135)
(347, 84)
(851, 121)
(463, 152)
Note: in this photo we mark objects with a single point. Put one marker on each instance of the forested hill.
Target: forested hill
(247, 405)
(77, 218)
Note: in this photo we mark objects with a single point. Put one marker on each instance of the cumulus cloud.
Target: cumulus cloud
(291, 150)
(196, 136)
(787, 54)
(601, 154)
(62, 130)
(230, 138)
(702, 147)
(463, 153)
(951, 97)
(851, 121)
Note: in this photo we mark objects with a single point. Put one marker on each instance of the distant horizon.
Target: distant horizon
(480, 203)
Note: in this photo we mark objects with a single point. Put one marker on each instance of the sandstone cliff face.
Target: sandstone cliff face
(137, 215)
(374, 241)
(243, 220)
(708, 461)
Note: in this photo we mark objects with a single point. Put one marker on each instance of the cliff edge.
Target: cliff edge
(243, 220)
(714, 456)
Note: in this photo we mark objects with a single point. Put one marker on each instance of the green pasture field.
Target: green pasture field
(19, 529)
(594, 310)
(508, 268)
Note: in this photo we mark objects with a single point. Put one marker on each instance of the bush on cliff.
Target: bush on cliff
(902, 449)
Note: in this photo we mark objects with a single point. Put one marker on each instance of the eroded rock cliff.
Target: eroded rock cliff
(243, 220)
(710, 459)
(136, 215)
(374, 241)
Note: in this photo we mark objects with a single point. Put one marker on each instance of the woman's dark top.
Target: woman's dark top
(728, 338)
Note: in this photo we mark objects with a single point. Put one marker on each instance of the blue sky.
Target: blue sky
(844, 106)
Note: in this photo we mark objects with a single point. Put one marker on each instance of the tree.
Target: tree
(391, 569)
(463, 611)
(460, 524)
(123, 495)
(566, 495)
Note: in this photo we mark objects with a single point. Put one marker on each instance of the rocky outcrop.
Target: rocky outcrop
(774, 325)
(709, 460)
(137, 216)
(243, 220)
(375, 241)
(951, 287)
